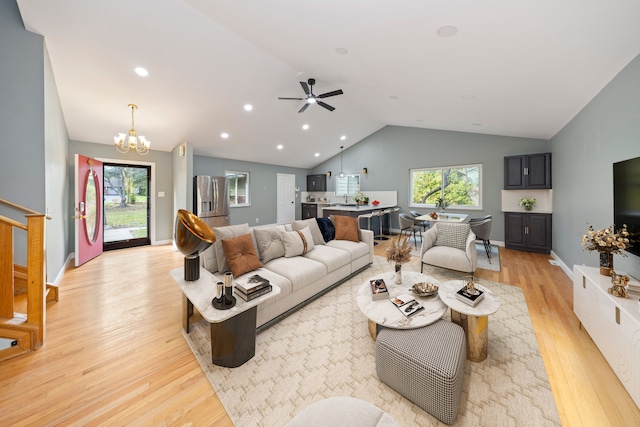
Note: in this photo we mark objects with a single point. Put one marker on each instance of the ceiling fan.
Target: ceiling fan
(314, 99)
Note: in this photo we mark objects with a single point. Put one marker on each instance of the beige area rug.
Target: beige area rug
(483, 260)
(325, 350)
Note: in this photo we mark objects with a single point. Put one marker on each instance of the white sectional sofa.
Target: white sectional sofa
(301, 277)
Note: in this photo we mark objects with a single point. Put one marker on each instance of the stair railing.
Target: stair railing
(36, 293)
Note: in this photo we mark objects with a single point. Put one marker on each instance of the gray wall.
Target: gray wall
(389, 154)
(607, 130)
(262, 186)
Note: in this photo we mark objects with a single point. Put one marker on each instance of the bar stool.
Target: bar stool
(368, 217)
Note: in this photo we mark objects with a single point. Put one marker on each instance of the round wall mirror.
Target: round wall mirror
(92, 210)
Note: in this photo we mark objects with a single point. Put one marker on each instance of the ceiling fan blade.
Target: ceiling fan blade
(327, 106)
(304, 107)
(328, 94)
(297, 99)
(305, 87)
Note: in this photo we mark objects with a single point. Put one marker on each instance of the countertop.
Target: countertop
(337, 207)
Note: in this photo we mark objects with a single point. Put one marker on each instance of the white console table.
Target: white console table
(613, 323)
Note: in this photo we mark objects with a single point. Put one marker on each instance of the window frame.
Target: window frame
(231, 176)
(412, 204)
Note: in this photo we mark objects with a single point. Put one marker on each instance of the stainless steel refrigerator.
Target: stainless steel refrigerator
(211, 199)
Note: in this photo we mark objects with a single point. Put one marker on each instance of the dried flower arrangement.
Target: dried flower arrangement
(399, 252)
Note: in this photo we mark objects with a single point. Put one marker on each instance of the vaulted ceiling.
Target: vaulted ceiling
(498, 67)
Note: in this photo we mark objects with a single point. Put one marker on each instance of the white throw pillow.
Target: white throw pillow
(313, 228)
(297, 242)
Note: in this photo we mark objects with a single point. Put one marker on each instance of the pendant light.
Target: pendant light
(341, 172)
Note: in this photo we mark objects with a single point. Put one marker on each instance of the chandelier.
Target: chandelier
(132, 141)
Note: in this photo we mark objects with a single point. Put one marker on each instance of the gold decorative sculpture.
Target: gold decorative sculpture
(618, 282)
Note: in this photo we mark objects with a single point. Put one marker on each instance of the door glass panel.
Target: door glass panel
(91, 212)
(126, 205)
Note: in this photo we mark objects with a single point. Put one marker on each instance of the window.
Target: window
(459, 186)
(348, 184)
(238, 188)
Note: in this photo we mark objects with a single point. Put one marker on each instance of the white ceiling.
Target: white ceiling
(516, 68)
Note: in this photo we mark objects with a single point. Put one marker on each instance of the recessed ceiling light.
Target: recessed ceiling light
(343, 137)
(280, 147)
(141, 72)
(317, 154)
(447, 31)
(224, 135)
(305, 126)
(248, 107)
(341, 51)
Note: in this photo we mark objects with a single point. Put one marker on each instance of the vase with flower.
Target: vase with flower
(398, 254)
(527, 203)
(607, 242)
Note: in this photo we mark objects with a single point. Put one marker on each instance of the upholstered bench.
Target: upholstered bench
(343, 412)
(425, 365)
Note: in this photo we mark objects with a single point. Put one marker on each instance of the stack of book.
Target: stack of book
(255, 287)
(378, 289)
(468, 298)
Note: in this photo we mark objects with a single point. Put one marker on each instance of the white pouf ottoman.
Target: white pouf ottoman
(425, 365)
(343, 412)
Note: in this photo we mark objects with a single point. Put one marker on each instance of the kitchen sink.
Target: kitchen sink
(347, 204)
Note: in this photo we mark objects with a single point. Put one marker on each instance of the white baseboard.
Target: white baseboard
(56, 281)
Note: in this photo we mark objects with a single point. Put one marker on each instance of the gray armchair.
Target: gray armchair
(449, 245)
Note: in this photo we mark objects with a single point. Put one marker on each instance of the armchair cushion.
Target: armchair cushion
(452, 235)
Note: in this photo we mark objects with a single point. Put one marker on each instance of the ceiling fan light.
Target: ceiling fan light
(311, 100)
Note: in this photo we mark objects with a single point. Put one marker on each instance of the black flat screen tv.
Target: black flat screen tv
(626, 199)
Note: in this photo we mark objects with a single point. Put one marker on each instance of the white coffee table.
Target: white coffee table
(233, 331)
(384, 313)
(474, 320)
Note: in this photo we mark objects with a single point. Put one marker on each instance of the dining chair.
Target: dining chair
(482, 229)
(408, 224)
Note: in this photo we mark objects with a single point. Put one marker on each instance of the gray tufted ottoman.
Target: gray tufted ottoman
(425, 365)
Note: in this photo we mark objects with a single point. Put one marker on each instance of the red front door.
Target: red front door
(88, 208)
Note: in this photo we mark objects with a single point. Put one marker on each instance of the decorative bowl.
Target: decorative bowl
(424, 289)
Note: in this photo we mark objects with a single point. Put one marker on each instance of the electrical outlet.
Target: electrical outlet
(257, 220)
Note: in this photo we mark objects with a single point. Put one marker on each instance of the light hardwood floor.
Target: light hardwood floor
(115, 355)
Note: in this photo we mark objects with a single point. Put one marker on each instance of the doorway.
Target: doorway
(286, 198)
(126, 205)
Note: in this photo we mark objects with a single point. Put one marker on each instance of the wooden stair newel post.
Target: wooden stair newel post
(36, 303)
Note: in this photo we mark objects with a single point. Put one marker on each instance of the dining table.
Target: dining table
(445, 217)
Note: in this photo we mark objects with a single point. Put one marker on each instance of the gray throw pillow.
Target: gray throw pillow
(313, 228)
(270, 244)
(452, 235)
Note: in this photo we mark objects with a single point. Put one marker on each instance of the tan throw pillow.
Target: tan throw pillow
(452, 235)
(240, 254)
(297, 242)
(346, 228)
(269, 242)
(313, 227)
(222, 233)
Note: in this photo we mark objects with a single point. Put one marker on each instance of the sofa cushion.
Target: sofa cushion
(300, 271)
(226, 232)
(297, 242)
(333, 258)
(240, 254)
(269, 243)
(326, 228)
(452, 235)
(356, 249)
(346, 228)
(313, 228)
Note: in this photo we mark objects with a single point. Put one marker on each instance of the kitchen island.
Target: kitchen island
(355, 211)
